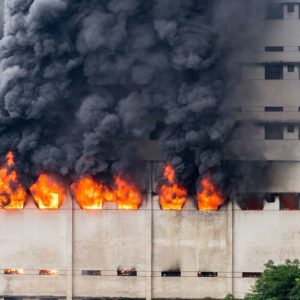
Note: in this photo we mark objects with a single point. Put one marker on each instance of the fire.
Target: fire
(91, 194)
(48, 272)
(172, 196)
(12, 193)
(127, 196)
(48, 192)
(210, 198)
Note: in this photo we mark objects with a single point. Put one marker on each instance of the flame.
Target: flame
(12, 194)
(172, 196)
(210, 198)
(13, 271)
(48, 272)
(127, 196)
(90, 194)
(48, 192)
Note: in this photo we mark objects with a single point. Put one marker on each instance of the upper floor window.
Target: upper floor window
(291, 68)
(273, 131)
(273, 108)
(274, 49)
(275, 11)
(273, 71)
(290, 7)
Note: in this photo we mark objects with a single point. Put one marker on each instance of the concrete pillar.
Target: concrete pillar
(149, 225)
(69, 274)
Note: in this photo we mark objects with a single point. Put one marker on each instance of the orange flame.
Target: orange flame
(127, 196)
(12, 194)
(172, 196)
(48, 192)
(91, 194)
(210, 198)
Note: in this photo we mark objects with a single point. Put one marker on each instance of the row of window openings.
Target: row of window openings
(266, 109)
(275, 10)
(276, 48)
(276, 131)
(275, 71)
(287, 201)
(133, 273)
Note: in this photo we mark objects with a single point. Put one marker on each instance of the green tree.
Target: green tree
(278, 282)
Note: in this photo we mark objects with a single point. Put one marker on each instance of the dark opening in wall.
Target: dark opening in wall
(270, 198)
(290, 7)
(207, 274)
(251, 274)
(156, 133)
(273, 71)
(273, 108)
(290, 128)
(12, 298)
(289, 201)
(274, 49)
(252, 202)
(171, 274)
(91, 273)
(291, 68)
(274, 11)
(131, 272)
(274, 131)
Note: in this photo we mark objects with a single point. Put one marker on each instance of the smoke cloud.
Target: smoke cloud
(81, 80)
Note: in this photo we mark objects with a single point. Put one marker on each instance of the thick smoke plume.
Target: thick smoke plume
(81, 80)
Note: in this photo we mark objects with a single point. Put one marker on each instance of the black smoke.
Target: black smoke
(82, 80)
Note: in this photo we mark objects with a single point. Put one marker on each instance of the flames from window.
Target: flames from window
(172, 196)
(210, 198)
(48, 192)
(12, 193)
(91, 194)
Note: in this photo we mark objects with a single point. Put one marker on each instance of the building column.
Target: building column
(149, 224)
(69, 274)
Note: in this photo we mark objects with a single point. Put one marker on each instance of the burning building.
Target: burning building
(124, 172)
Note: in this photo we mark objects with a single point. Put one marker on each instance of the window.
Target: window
(273, 71)
(251, 202)
(275, 11)
(251, 274)
(170, 274)
(273, 132)
(127, 272)
(91, 273)
(274, 49)
(48, 272)
(273, 108)
(289, 201)
(291, 68)
(13, 271)
(290, 7)
(207, 274)
(156, 133)
(290, 128)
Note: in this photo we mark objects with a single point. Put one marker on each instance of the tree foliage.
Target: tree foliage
(278, 282)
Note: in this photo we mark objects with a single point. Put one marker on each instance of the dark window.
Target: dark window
(127, 273)
(156, 133)
(170, 274)
(273, 132)
(275, 11)
(291, 68)
(91, 273)
(12, 298)
(251, 202)
(290, 128)
(274, 49)
(207, 274)
(273, 108)
(290, 7)
(289, 201)
(251, 274)
(273, 71)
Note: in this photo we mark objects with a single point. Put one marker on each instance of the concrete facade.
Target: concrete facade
(226, 244)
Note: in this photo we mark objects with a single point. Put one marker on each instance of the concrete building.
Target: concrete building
(156, 254)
